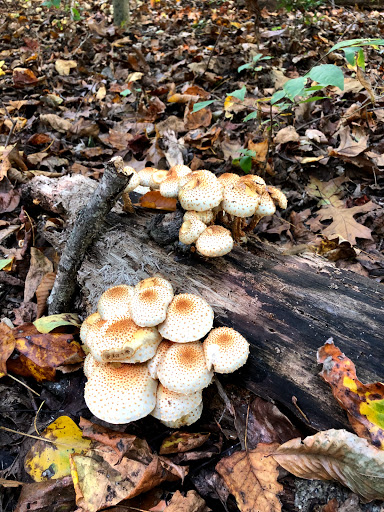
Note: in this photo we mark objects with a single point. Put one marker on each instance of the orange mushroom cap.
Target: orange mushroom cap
(176, 410)
(115, 302)
(149, 306)
(214, 241)
(225, 350)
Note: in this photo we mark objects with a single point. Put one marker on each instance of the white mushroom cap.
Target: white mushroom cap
(154, 363)
(171, 185)
(150, 282)
(90, 364)
(145, 175)
(189, 318)
(157, 178)
(174, 409)
(134, 181)
(201, 174)
(90, 320)
(205, 217)
(255, 180)
(240, 199)
(278, 197)
(183, 368)
(120, 395)
(228, 178)
(115, 302)
(201, 194)
(214, 241)
(190, 230)
(266, 205)
(149, 306)
(150, 339)
(225, 350)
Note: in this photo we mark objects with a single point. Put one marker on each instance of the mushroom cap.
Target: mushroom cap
(154, 363)
(154, 281)
(228, 178)
(90, 364)
(225, 350)
(183, 368)
(115, 302)
(266, 205)
(134, 181)
(148, 339)
(202, 173)
(240, 199)
(145, 175)
(214, 241)
(255, 180)
(149, 305)
(189, 318)
(171, 185)
(278, 197)
(157, 178)
(205, 217)
(90, 320)
(185, 420)
(190, 230)
(201, 193)
(171, 406)
(120, 395)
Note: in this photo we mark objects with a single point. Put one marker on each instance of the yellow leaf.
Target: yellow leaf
(48, 323)
(50, 460)
(63, 67)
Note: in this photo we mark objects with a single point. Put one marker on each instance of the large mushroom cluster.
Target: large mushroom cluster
(213, 202)
(146, 355)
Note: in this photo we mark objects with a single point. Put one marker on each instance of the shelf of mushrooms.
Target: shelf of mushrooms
(146, 354)
(216, 208)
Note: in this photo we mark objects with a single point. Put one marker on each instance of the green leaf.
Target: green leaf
(294, 87)
(75, 14)
(257, 57)
(250, 116)
(48, 323)
(126, 92)
(350, 54)
(56, 3)
(357, 42)
(239, 93)
(246, 164)
(201, 105)
(249, 65)
(313, 98)
(360, 59)
(327, 74)
(4, 263)
(277, 96)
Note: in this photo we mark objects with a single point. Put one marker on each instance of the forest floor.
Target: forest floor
(74, 93)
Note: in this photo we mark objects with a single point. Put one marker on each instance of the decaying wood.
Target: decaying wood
(286, 306)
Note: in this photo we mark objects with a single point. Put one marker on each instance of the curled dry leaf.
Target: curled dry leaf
(180, 442)
(192, 502)
(251, 477)
(51, 322)
(363, 402)
(38, 267)
(23, 77)
(63, 67)
(57, 122)
(43, 291)
(336, 455)
(287, 134)
(154, 200)
(40, 497)
(7, 346)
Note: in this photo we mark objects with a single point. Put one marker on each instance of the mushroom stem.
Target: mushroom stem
(237, 231)
(254, 222)
(128, 206)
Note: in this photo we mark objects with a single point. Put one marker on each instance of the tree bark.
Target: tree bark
(121, 12)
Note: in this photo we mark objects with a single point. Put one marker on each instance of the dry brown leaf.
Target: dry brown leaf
(63, 67)
(336, 455)
(287, 134)
(39, 266)
(57, 122)
(348, 146)
(192, 502)
(328, 192)
(43, 290)
(23, 77)
(252, 478)
(154, 200)
(39, 497)
(7, 346)
(180, 442)
(9, 196)
(261, 150)
(365, 83)
(199, 119)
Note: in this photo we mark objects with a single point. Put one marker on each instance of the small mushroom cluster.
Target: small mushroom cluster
(210, 201)
(145, 354)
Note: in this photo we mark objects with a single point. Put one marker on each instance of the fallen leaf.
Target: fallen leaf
(48, 323)
(180, 442)
(287, 134)
(251, 477)
(153, 199)
(199, 119)
(45, 460)
(349, 147)
(23, 77)
(336, 455)
(192, 502)
(43, 291)
(63, 67)
(21, 365)
(316, 135)
(57, 122)
(40, 497)
(261, 150)
(7, 346)
(365, 83)
(38, 267)
(364, 403)
(9, 196)
(327, 191)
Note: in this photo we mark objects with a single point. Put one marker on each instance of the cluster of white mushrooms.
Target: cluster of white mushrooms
(145, 354)
(228, 199)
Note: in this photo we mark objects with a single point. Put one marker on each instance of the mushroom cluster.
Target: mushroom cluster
(146, 355)
(212, 202)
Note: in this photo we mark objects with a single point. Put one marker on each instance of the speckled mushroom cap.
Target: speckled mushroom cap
(186, 420)
(148, 339)
(266, 205)
(120, 395)
(256, 181)
(202, 174)
(240, 199)
(90, 320)
(225, 350)
(201, 194)
(157, 178)
(214, 241)
(174, 407)
(183, 368)
(171, 185)
(205, 217)
(115, 302)
(154, 281)
(191, 229)
(145, 175)
(228, 178)
(149, 305)
(90, 364)
(134, 181)
(154, 363)
(189, 318)
(278, 197)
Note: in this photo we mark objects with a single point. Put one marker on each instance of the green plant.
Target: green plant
(299, 5)
(253, 64)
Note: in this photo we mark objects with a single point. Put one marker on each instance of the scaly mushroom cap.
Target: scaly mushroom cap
(134, 181)
(201, 194)
(225, 350)
(189, 318)
(148, 339)
(202, 174)
(183, 368)
(174, 407)
(228, 178)
(157, 178)
(240, 199)
(154, 363)
(90, 320)
(256, 180)
(120, 395)
(278, 197)
(171, 185)
(145, 175)
(149, 306)
(90, 364)
(186, 420)
(214, 241)
(150, 282)
(191, 229)
(115, 302)
(205, 217)
(266, 205)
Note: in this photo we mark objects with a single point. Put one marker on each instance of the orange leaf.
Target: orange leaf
(153, 199)
(42, 292)
(7, 346)
(23, 77)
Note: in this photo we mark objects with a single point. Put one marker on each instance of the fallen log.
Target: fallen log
(286, 306)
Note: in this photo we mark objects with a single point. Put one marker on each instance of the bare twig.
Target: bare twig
(13, 121)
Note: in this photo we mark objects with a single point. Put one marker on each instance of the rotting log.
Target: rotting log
(286, 306)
